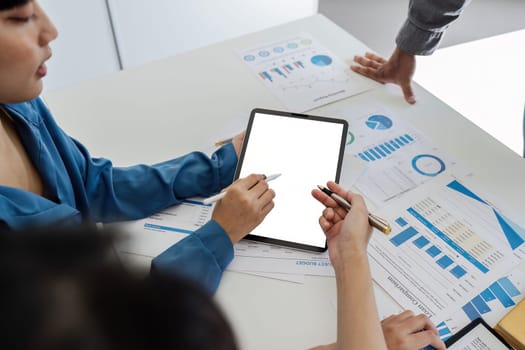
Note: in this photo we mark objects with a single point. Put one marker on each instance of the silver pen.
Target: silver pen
(221, 195)
(374, 220)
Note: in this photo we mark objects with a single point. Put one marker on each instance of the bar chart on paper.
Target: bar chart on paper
(302, 73)
(399, 158)
(491, 304)
(445, 247)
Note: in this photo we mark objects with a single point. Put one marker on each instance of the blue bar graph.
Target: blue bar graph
(471, 312)
(502, 296)
(509, 287)
(374, 153)
(448, 240)
(386, 150)
(394, 144)
(487, 295)
(404, 139)
(363, 157)
(390, 147)
(399, 141)
(167, 228)
(420, 242)
(458, 272)
(371, 157)
(480, 305)
(444, 261)
(404, 236)
(409, 137)
(401, 222)
(433, 251)
(380, 151)
(443, 331)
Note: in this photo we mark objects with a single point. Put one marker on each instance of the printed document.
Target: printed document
(447, 244)
(302, 73)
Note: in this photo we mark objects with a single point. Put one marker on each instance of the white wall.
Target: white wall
(152, 29)
(84, 48)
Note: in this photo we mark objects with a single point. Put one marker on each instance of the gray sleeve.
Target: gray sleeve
(426, 23)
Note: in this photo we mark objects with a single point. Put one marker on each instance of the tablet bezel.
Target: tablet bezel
(465, 330)
(344, 124)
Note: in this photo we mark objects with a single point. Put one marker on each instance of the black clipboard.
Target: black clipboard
(478, 322)
(307, 151)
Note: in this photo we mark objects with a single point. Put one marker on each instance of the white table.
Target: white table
(174, 106)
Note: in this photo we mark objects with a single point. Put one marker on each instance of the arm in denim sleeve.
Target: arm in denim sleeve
(426, 23)
(201, 257)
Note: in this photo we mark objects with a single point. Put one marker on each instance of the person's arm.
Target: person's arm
(203, 255)
(347, 234)
(426, 23)
(421, 34)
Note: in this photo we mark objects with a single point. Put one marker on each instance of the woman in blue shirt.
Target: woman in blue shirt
(48, 178)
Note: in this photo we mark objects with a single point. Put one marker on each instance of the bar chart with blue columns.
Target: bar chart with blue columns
(491, 304)
(388, 147)
(421, 242)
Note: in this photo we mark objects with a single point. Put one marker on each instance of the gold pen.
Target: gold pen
(223, 142)
(374, 220)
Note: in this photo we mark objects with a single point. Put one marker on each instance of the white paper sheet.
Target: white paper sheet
(447, 244)
(302, 73)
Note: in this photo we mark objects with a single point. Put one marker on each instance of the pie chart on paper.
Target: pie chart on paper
(321, 60)
(379, 122)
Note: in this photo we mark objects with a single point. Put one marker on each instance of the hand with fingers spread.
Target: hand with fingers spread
(399, 69)
(407, 331)
(246, 204)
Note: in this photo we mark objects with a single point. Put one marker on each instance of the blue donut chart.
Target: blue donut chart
(440, 163)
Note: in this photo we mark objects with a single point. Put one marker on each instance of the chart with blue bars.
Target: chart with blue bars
(386, 148)
(501, 294)
(410, 235)
(491, 304)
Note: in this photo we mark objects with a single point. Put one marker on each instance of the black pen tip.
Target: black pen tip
(320, 187)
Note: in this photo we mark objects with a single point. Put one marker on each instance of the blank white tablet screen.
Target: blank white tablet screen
(478, 338)
(306, 153)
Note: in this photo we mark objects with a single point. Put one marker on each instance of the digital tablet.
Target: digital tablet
(477, 335)
(307, 151)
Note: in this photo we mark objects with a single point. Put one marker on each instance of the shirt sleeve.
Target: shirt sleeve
(125, 193)
(201, 257)
(426, 23)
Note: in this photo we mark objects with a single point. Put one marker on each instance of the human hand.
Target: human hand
(237, 142)
(244, 207)
(406, 331)
(399, 69)
(346, 233)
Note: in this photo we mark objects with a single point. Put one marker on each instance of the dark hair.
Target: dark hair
(9, 4)
(66, 290)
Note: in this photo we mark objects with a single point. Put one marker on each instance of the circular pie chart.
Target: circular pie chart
(321, 60)
(379, 122)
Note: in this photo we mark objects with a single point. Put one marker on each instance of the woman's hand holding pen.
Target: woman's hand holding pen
(245, 205)
(347, 233)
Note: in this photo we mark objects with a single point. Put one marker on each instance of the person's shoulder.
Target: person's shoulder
(34, 111)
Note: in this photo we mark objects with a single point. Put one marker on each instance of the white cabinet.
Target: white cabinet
(85, 47)
(151, 29)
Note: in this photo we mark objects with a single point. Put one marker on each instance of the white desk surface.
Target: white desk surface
(171, 107)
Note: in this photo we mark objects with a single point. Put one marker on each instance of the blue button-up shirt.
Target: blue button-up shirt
(80, 188)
